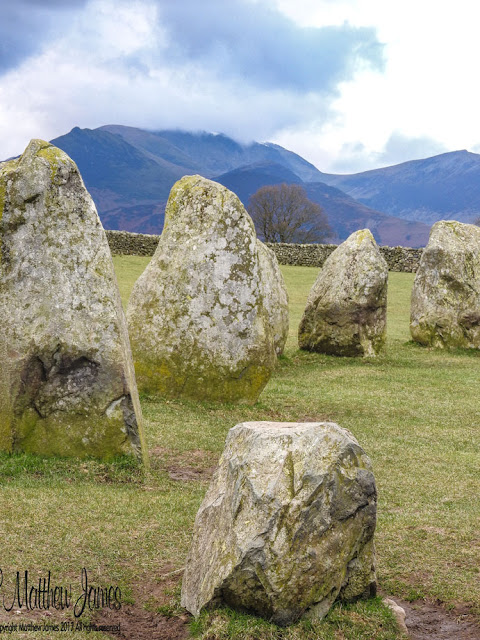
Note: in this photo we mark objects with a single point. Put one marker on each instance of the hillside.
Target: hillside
(348, 214)
(438, 188)
(210, 153)
(130, 172)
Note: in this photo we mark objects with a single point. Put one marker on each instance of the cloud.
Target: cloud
(27, 25)
(355, 156)
(257, 43)
(250, 40)
(239, 67)
(400, 148)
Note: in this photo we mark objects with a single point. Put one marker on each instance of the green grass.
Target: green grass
(414, 411)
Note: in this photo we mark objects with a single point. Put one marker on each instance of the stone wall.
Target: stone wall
(314, 255)
(402, 258)
(301, 255)
(132, 244)
(305, 255)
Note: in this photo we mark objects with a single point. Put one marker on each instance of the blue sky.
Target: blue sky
(348, 84)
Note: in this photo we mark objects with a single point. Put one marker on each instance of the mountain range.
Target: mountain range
(444, 187)
(129, 173)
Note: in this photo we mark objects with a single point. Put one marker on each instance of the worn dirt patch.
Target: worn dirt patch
(424, 620)
(186, 466)
(142, 621)
(431, 621)
(187, 474)
(136, 624)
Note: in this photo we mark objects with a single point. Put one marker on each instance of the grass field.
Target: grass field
(415, 412)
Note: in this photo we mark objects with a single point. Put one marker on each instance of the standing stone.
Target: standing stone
(346, 312)
(286, 527)
(445, 309)
(275, 296)
(198, 320)
(67, 384)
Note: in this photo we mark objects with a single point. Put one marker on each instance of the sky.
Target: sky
(350, 85)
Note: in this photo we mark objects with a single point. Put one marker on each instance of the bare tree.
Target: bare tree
(283, 213)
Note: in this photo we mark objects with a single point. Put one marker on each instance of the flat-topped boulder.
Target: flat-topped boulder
(199, 320)
(346, 311)
(286, 527)
(445, 307)
(67, 384)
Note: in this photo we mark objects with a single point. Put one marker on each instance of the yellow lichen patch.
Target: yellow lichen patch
(363, 234)
(3, 193)
(53, 156)
(6, 170)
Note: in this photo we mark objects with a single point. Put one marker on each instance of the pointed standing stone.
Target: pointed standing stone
(346, 311)
(199, 324)
(445, 309)
(275, 295)
(67, 384)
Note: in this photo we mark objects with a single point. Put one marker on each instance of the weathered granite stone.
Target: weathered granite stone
(286, 527)
(346, 309)
(275, 295)
(199, 325)
(67, 384)
(445, 309)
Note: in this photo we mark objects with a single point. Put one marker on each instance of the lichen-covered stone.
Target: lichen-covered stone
(445, 308)
(275, 296)
(286, 527)
(67, 384)
(198, 321)
(346, 311)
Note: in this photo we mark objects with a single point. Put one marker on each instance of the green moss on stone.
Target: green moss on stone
(5, 430)
(170, 379)
(71, 435)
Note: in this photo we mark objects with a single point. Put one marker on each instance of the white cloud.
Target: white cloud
(428, 90)
(115, 65)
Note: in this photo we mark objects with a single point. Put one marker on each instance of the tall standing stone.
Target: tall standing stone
(346, 311)
(199, 323)
(286, 527)
(275, 295)
(67, 384)
(445, 308)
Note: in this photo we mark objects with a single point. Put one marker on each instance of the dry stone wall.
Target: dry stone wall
(132, 244)
(314, 255)
(403, 259)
